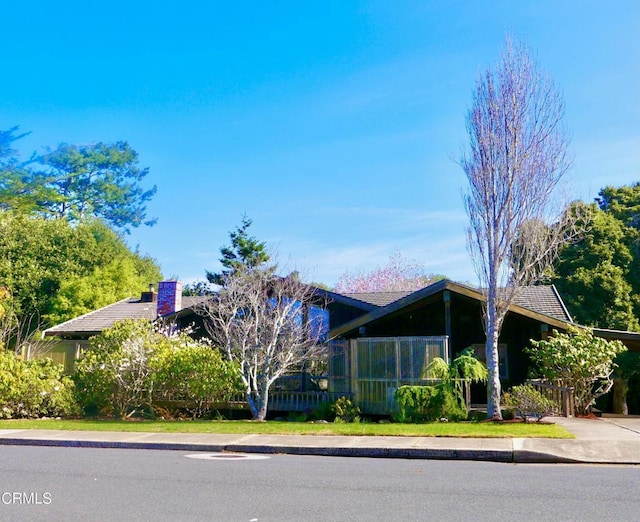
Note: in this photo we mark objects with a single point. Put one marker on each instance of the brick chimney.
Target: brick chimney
(169, 297)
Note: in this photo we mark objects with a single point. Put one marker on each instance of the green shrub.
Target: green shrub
(444, 400)
(196, 373)
(527, 402)
(114, 374)
(428, 403)
(127, 364)
(324, 412)
(345, 411)
(35, 388)
(579, 360)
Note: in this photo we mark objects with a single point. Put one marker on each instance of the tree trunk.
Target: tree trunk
(258, 401)
(493, 366)
(620, 389)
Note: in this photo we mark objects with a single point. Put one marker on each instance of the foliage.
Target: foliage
(465, 367)
(444, 399)
(623, 203)
(516, 157)
(398, 274)
(267, 324)
(122, 277)
(595, 275)
(245, 252)
(528, 402)
(579, 360)
(34, 388)
(101, 180)
(428, 403)
(127, 363)
(324, 411)
(345, 411)
(196, 373)
(21, 188)
(115, 373)
(57, 270)
(598, 275)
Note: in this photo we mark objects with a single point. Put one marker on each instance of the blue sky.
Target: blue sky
(331, 124)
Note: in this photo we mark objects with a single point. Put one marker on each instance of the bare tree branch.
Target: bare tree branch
(516, 158)
(268, 324)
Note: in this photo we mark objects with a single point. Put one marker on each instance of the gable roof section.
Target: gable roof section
(541, 303)
(379, 298)
(544, 300)
(98, 320)
(354, 300)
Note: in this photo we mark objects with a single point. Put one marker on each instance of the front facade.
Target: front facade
(378, 340)
(384, 340)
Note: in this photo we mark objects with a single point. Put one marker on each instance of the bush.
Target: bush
(428, 403)
(34, 389)
(128, 363)
(579, 360)
(527, 402)
(345, 411)
(444, 400)
(324, 412)
(114, 374)
(197, 374)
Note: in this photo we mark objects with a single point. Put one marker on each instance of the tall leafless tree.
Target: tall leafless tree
(516, 158)
(265, 323)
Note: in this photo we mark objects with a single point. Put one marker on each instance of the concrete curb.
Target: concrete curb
(370, 452)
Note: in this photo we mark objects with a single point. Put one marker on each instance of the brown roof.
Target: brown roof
(379, 298)
(541, 299)
(544, 300)
(540, 302)
(94, 322)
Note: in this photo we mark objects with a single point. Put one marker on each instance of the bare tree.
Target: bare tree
(267, 324)
(516, 158)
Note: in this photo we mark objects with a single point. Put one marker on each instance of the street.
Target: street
(39, 483)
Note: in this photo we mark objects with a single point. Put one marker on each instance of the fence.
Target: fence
(562, 396)
(278, 400)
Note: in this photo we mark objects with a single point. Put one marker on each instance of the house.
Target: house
(378, 340)
(67, 340)
(383, 340)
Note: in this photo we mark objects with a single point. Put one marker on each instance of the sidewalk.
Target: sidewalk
(602, 441)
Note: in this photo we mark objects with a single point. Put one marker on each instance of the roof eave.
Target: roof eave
(436, 287)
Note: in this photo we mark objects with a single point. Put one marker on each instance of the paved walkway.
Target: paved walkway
(611, 440)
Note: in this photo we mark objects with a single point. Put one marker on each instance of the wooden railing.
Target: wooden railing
(278, 400)
(562, 396)
(300, 401)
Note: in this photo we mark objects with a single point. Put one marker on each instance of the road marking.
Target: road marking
(226, 456)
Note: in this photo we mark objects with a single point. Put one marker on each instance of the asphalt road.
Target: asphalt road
(113, 484)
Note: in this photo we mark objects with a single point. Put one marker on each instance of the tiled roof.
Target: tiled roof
(544, 300)
(541, 299)
(379, 298)
(98, 320)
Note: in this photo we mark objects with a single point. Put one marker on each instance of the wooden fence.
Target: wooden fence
(278, 400)
(562, 396)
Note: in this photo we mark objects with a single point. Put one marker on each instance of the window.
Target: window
(503, 360)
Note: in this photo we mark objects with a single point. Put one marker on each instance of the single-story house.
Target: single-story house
(378, 340)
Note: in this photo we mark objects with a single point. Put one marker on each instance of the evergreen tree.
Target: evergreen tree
(245, 251)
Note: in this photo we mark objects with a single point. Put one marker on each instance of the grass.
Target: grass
(436, 429)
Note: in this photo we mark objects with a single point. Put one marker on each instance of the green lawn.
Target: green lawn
(436, 429)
